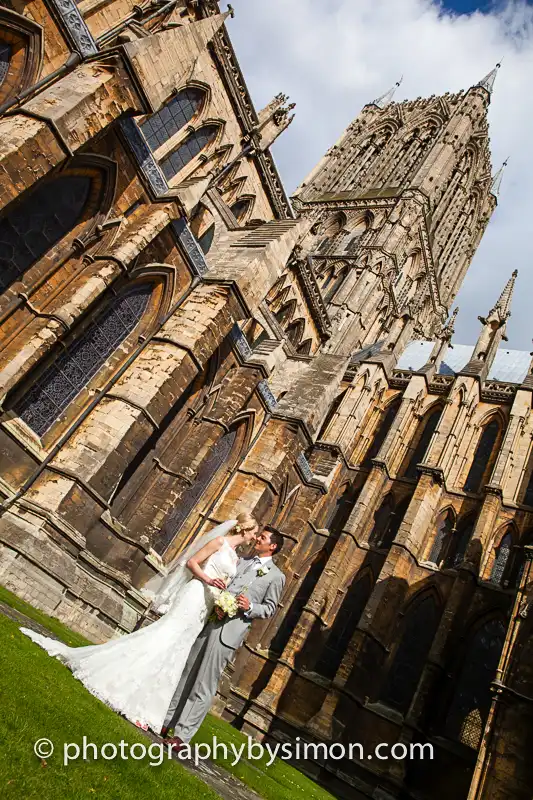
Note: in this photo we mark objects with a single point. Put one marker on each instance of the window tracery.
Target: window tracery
(187, 150)
(166, 122)
(58, 385)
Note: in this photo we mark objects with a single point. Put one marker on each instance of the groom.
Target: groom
(258, 585)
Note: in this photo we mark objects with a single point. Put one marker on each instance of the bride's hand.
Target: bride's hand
(218, 583)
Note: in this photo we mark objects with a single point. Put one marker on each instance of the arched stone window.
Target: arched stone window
(188, 149)
(381, 431)
(206, 239)
(482, 457)
(170, 119)
(20, 53)
(241, 208)
(5, 58)
(459, 543)
(382, 519)
(421, 446)
(285, 313)
(295, 331)
(394, 523)
(471, 700)
(419, 628)
(502, 560)
(343, 627)
(304, 349)
(72, 370)
(443, 539)
(215, 459)
(31, 227)
(302, 595)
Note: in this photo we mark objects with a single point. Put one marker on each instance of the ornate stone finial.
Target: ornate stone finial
(231, 11)
(386, 98)
(448, 329)
(497, 179)
(487, 82)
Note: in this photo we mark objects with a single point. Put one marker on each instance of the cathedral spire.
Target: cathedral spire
(487, 82)
(492, 333)
(497, 179)
(386, 98)
(502, 309)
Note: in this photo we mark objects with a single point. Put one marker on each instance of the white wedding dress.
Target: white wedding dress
(138, 673)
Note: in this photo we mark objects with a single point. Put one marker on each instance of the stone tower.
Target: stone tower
(412, 185)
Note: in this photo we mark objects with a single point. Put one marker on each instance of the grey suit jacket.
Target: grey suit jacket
(263, 591)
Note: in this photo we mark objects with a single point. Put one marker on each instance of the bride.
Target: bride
(137, 673)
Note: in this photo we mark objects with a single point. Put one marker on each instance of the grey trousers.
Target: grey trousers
(199, 681)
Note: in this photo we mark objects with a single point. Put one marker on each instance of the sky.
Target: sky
(333, 56)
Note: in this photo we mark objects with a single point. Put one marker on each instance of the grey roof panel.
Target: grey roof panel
(509, 365)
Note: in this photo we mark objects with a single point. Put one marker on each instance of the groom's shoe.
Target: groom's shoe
(164, 732)
(176, 743)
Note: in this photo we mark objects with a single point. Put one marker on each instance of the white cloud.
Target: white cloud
(333, 56)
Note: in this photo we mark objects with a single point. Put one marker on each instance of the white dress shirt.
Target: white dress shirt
(260, 562)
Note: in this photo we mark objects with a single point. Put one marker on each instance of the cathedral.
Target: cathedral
(179, 342)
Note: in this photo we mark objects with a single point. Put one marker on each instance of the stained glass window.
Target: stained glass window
(406, 669)
(472, 697)
(161, 126)
(482, 457)
(209, 467)
(187, 150)
(36, 224)
(73, 369)
(422, 445)
(5, 56)
(503, 552)
(206, 239)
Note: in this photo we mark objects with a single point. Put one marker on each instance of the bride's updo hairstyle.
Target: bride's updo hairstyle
(244, 520)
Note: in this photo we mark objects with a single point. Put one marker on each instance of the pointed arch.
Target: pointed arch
(77, 363)
(445, 528)
(382, 428)
(181, 110)
(195, 143)
(21, 53)
(382, 518)
(210, 476)
(68, 203)
(485, 454)
(502, 555)
(332, 412)
(304, 349)
(416, 633)
(460, 541)
(420, 443)
(242, 207)
(470, 703)
(295, 331)
(285, 313)
(346, 620)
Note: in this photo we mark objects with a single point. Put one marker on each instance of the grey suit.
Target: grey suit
(216, 646)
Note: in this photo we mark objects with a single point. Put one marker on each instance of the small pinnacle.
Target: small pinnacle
(231, 11)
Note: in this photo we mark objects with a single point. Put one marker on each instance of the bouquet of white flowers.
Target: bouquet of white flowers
(228, 603)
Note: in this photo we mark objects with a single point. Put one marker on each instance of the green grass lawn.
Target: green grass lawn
(40, 698)
(53, 625)
(279, 781)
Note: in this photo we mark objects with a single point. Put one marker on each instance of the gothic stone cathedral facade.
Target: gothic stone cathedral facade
(179, 343)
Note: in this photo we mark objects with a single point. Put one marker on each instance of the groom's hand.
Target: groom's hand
(243, 602)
